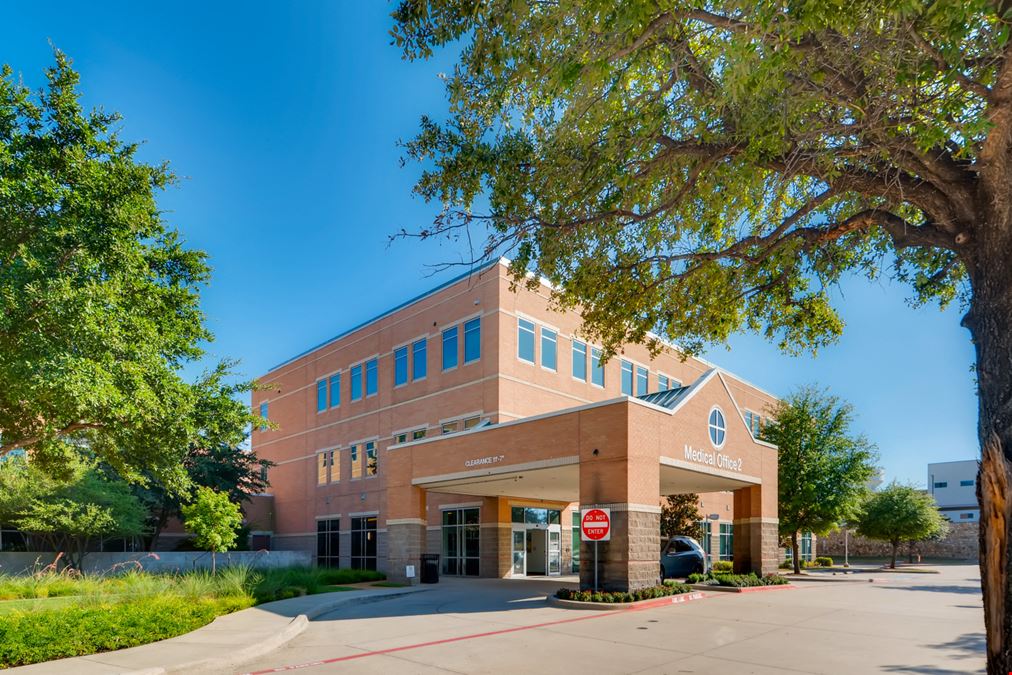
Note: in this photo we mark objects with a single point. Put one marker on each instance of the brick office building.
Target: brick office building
(473, 421)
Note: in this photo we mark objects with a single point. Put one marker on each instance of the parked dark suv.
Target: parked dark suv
(681, 557)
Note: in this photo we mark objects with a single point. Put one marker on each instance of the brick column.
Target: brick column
(406, 536)
(755, 532)
(621, 471)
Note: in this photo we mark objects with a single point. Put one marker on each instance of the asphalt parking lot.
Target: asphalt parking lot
(900, 623)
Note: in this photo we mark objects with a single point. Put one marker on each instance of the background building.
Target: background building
(954, 487)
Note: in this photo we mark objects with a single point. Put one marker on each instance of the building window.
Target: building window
(371, 377)
(461, 542)
(472, 422)
(627, 378)
(263, 414)
(941, 484)
(356, 382)
(662, 382)
(400, 366)
(12, 539)
(549, 348)
(472, 340)
(576, 541)
(414, 436)
(717, 427)
(706, 537)
(418, 434)
(321, 395)
(323, 462)
(419, 364)
(525, 340)
(806, 546)
(966, 516)
(328, 542)
(450, 427)
(450, 348)
(596, 369)
(363, 543)
(966, 483)
(642, 381)
(754, 422)
(371, 460)
(579, 360)
(726, 542)
(335, 390)
(356, 461)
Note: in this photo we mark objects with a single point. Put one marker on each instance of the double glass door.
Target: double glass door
(537, 550)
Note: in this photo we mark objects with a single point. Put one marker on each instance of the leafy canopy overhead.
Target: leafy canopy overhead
(702, 168)
(99, 298)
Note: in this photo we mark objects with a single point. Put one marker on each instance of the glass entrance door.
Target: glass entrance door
(554, 549)
(519, 551)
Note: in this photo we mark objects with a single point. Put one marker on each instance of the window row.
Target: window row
(364, 462)
(754, 422)
(586, 360)
(363, 542)
(410, 363)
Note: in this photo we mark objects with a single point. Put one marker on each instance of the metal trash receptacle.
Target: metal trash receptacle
(430, 568)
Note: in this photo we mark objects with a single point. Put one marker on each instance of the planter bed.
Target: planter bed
(617, 606)
(735, 589)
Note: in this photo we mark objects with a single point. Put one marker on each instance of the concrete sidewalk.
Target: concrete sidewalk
(223, 644)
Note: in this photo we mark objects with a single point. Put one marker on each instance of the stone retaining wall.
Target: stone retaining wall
(161, 561)
(960, 544)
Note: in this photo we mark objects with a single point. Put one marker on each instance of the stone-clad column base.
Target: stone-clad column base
(631, 560)
(756, 545)
(405, 545)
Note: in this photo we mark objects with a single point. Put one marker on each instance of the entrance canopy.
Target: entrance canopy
(554, 480)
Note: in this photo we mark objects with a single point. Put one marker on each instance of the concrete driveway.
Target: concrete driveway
(901, 623)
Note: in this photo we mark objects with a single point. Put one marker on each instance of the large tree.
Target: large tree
(99, 298)
(900, 513)
(699, 168)
(823, 466)
(680, 515)
(235, 471)
(68, 514)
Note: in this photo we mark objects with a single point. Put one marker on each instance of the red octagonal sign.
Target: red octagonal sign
(595, 524)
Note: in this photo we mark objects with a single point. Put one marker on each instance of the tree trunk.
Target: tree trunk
(989, 321)
(892, 561)
(796, 552)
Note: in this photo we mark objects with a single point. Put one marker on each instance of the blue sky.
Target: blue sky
(282, 119)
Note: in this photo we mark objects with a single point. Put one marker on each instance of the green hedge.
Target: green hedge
(737, 580)
(664, 590)
(32, 637)
(824, 561)
(725, 566)
(280, 584)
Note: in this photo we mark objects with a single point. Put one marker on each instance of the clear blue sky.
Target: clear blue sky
(283, 120)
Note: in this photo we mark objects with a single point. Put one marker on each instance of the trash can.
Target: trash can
(430, 568)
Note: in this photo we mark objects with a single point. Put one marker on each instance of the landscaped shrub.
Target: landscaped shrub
(664, 590)
(281, 584)
(824, 561)
(35, 636)
(723, 566)
(737, 580)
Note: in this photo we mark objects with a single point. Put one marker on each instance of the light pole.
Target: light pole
(846, 546)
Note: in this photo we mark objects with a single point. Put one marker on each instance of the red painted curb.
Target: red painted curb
(753, 589)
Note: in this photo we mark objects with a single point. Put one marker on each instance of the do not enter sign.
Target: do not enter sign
(595, 524)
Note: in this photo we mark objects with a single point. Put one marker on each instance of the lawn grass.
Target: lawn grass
(51, 615)
(389, 584)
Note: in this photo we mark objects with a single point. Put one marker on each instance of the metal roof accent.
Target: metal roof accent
(666, 399)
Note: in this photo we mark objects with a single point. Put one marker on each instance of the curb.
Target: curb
(624, 606)
(244, 654)
(746, 589)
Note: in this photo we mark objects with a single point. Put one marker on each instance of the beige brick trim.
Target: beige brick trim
(405, 521)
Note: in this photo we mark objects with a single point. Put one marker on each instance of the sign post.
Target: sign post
(595, 526)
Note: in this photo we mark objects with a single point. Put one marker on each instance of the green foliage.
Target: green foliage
(737, 580)
(279, 584)
(824, 561)
(224, 468)
(99, 298)
(723, 566)
(900, 513)
(662, 591)
(703, 169)
(824, 467)
(71, 511)
(680, 516)
(213, 519)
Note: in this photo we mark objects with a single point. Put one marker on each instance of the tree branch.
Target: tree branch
(6, 448)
